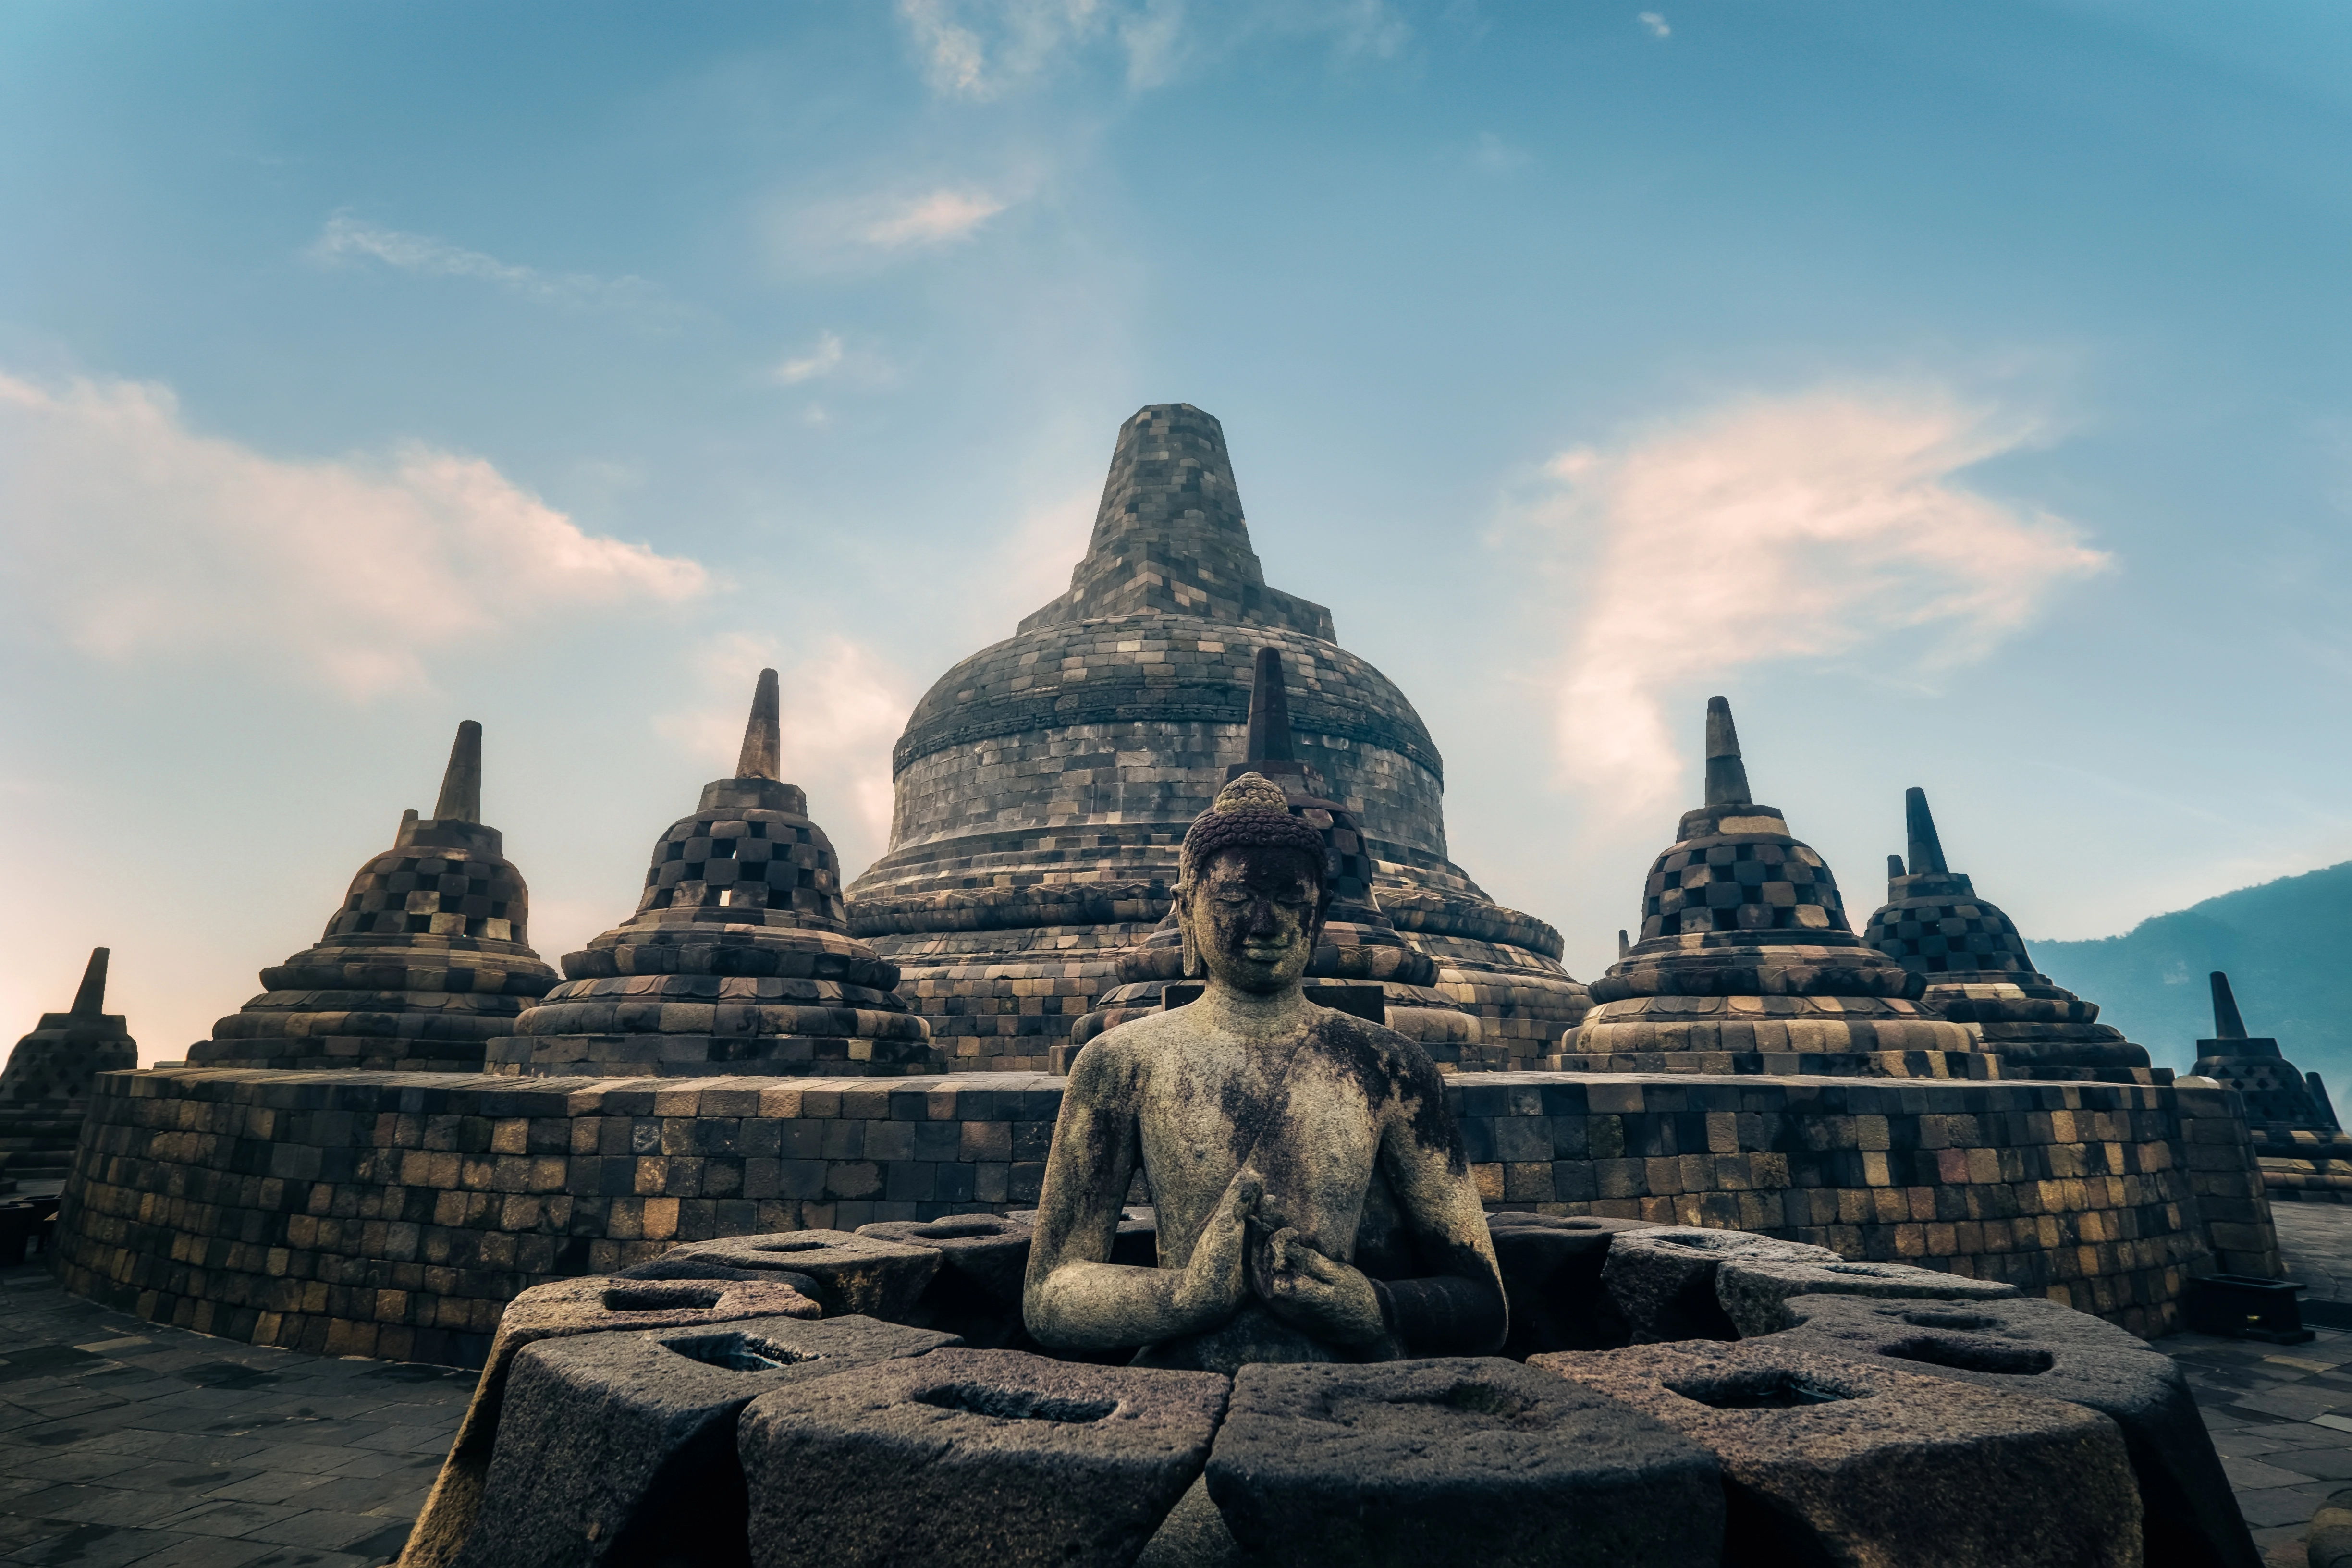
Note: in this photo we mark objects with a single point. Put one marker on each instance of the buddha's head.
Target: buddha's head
(1250, 890)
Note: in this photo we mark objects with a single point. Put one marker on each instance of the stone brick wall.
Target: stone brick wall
(394, 1214)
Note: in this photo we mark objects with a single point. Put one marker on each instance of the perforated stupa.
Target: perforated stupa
(426, 960)
(738, 958)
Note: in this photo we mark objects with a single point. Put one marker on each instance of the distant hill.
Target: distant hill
(2286, 946)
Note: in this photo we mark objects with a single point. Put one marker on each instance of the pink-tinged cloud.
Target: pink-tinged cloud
(135, 537)
(1804, 527)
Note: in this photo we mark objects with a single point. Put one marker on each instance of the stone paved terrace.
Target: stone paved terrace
(122, 1442)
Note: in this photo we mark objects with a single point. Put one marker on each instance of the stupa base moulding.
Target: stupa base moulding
(395, 1214)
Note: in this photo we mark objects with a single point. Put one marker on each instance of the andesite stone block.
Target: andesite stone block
(1470, 1461)
(1755, 1289)
(557, 1310)
(853, 1273)
(1838, 1459)
(620, 1447)
(1662, 1280)
(2032, 1346)
(966, 1456)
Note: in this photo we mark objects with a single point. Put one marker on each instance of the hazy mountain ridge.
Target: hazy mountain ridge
(2284, 944)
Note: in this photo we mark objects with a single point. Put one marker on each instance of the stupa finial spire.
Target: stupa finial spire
(763, 736)
(91, 998)
(1926, 849)
(2227, 1023)
(1727, 776)
(1269, 711)
(461, 785)
(1894, 867)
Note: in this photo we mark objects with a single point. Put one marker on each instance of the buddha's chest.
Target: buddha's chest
(1313, 1142)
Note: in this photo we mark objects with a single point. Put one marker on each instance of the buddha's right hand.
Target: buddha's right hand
(1212, 1287)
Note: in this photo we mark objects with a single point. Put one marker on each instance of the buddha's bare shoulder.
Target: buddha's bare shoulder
(1390, 1065)
(1115, 1057)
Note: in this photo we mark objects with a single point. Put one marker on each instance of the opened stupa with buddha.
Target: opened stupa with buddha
(2303, 1151)
(1979, 975)
(738, 958)
(426, 960)
(44, 1088)
(1044, 786)
(1361, 964)
(1746, 962)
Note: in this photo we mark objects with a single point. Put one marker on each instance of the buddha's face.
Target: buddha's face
(1254, 914)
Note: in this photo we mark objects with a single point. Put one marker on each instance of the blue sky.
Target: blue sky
(1959, 388)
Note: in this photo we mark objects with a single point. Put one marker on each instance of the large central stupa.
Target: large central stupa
(1042, 786)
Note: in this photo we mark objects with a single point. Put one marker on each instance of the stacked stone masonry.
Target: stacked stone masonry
(394, 1214)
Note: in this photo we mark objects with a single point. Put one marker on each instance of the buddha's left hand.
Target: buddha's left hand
(1327, 1298)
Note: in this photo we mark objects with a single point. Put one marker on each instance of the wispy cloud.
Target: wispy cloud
(348, 240)
(1655, 24)
(1802, 527)
(841, 705)
(821, 360)
(932, 218)
(135, 537)
(982, 49)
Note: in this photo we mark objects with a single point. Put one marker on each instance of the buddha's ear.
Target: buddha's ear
(1193, 969)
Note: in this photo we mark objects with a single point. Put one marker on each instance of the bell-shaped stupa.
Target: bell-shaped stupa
(2301, 1149)
(45, 1089)
(738, 958)
(426, 960)
(1043, 785)
(1934, 924)
(1746, 964)
(1361, 964)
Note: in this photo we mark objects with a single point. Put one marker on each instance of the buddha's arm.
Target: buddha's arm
(1458, 1308)
(1074, 1298)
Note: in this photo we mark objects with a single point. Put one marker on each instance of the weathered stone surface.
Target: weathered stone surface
(1754, 1288)
(426, 960)
(1837, 1459)
(1980, 976)
(976, 1294)
(1551, 1276)
(1746, 960)
(1663, 1279)
(2327, 1543)
(1474, 1461)
(853, 1273)
(2037, 1347)
(559, 1310)
(620, 1447)
(45, 1091)
(968, 1457)
(1042, 784)
(1313, 1192)
(738, 958)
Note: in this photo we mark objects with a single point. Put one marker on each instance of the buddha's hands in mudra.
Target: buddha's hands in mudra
(1212, 1287)
(1329, 1298)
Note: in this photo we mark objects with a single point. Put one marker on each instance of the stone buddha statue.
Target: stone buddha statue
(1314, 1200)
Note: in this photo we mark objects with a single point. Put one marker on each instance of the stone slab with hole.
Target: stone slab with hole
(1663, 1279)
(1840, 1460)
(966, 1456)
(2028, 1346)
(621, 1447)
(861, 1274)
(1471, 1460)
(1754, 1290)
(559, 1310)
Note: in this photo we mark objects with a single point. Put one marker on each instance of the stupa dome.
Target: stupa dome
(739, 957)
(1043, 785)
(1747, 963)
(1934, 924)
(427, 958)
(45, 1089)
